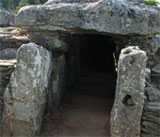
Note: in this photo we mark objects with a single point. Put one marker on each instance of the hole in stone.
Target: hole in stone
(128, 101)
(127, 51)
(90, 88)
(132, 61)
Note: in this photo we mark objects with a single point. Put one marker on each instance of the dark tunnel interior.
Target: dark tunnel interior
(87, 102)
(98, 53)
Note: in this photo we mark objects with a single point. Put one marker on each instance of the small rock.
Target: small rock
(6, 18)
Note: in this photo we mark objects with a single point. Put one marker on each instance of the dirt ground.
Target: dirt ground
(85, 110)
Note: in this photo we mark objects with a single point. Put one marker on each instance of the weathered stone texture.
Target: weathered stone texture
(57, 82)
(73, 59)
(106, 16)
(25, 96)
(49, 2)
(6, 18)
(129, 100)
(151, 45)
(9, 53)
(151, 113)
(49, 40)
(10, 41)
(130, 21)
(139, 1)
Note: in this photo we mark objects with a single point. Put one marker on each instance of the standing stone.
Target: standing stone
(129, 101)
(25, 96)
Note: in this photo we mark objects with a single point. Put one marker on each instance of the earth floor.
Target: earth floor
(85, 110)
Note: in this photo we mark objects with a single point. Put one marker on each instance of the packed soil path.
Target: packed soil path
(85, 111)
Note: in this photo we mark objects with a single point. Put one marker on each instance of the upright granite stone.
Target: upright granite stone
(129, 101)
(25, 96)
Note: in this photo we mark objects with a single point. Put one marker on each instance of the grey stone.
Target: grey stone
(153, 94)
(49, 40)
(153, 108)
(9, 53)
(148, 135)
(154, 43)
(139, 1)
(106, 16)
(151, 128)
(57, 82)
(151, 117)
(6, 18)
(129, 100)
(1, 111)
(25, 97)
(49, 2)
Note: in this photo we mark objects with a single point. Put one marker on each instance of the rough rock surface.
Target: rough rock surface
(150, 44)
(104, 16)
(49, 40)
(57, 82)
(9, 53)
(129, 99)
(151, 113)
(25, 96)
(139, 1)
(6, 18)
(49, 2)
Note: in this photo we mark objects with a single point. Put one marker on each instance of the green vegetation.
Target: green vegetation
(15, 5)
(151, 2)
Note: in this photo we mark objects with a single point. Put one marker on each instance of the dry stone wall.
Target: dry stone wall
(151, 112)
(11, 39)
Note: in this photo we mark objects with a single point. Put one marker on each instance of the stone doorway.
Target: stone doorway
(91, 81)
(87, 71)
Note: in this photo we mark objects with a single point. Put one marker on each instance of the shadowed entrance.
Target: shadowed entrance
(86, 106)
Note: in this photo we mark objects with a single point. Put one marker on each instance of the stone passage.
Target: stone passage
(129, 100)
(88, 99)
(25, 96)
(66, 28)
